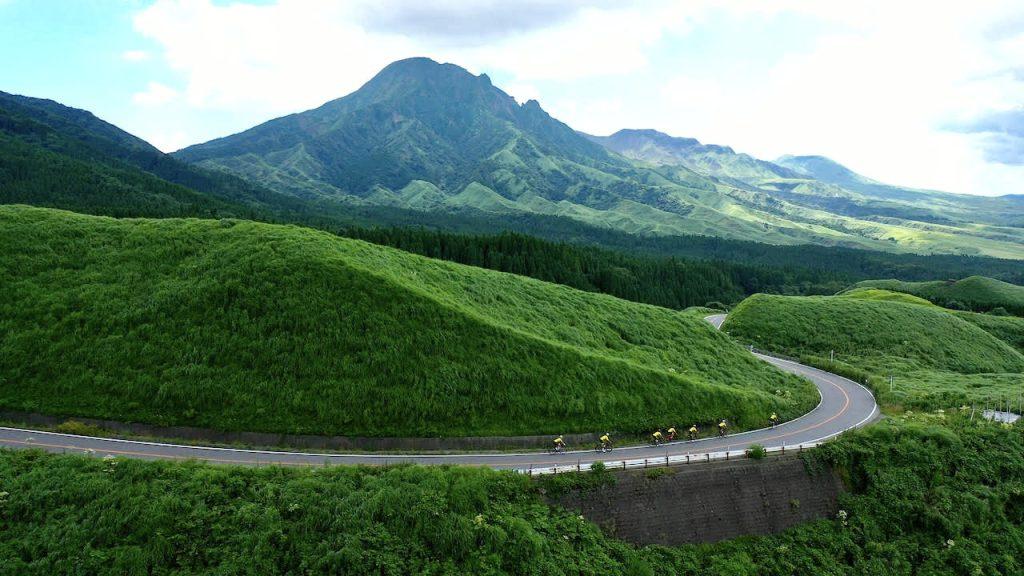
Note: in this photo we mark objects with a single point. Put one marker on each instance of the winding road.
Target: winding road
(844, 405)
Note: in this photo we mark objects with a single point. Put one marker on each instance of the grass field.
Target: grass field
(942, 497)
(976, 293)
(1009, 329)
(242, 326)
(938, 359)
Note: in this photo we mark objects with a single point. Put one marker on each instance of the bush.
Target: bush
(756, 452)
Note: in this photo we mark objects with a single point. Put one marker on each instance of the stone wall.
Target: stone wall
(709, 502)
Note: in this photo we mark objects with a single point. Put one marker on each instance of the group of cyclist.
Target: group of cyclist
(657, 438)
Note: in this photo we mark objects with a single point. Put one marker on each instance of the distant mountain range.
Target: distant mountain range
(435, 138)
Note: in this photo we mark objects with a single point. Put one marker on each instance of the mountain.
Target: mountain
(437, 139)
(240, 325)
(721, 162)
(817, 189)
(62, 157)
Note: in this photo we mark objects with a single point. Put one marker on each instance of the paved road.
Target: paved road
(844, 405)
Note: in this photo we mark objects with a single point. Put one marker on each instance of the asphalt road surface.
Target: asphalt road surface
(844, 405)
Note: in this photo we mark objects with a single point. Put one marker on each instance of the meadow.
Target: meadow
(236, 325)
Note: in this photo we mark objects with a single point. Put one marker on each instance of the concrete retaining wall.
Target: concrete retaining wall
(709, 502)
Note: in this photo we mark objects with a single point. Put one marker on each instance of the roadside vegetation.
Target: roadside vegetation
(236, 325)
(938, 494)
(938, 359)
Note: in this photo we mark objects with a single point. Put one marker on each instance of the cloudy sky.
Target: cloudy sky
(913, 93)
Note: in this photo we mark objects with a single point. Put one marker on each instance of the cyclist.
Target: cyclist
(774, 419)
(657, 438)
(559, 444)
(693, 432)
(671, 434)
(606, 443)
(722, 427)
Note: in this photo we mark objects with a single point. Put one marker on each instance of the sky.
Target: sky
(924, 94)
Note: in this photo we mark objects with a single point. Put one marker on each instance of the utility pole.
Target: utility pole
(831, 356)
(890, 383)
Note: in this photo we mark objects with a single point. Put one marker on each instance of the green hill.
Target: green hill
(1009, 329)
(939, 360)
(976, 293)
(879, 295)
(245, 326)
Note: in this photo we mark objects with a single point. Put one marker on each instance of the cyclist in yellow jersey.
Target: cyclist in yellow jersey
(671, 433)
(693, 432)
(606, 442)
(559, 444)
(656, 438)
(774, 419)
(722, 426)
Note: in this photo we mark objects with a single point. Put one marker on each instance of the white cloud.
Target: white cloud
(135, 55)
(156, 94)
(873, 84)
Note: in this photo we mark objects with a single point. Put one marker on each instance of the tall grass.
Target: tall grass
(937, 358)
(243, 326)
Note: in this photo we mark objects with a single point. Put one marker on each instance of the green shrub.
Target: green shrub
(756, 452)
(655, 473)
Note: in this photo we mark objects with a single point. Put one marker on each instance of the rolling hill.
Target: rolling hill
(243, 326)
(432, 137)
(976, 293)
(939, 359)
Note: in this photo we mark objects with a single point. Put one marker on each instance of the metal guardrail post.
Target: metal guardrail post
(578, 469)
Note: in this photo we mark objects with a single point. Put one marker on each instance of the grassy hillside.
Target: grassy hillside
(924, 499)
(878, 295)
(1009, 329)
(245, 326)
(975, 293)
(938, 359)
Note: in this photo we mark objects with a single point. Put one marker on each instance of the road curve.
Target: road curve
(844, 405)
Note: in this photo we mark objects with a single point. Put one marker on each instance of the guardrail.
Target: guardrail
(661, 461)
